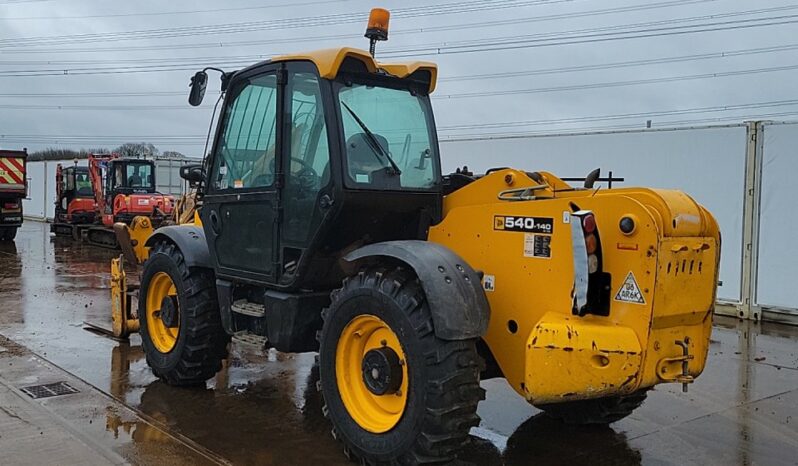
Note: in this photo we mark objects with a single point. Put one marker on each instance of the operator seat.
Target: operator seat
(364, 165)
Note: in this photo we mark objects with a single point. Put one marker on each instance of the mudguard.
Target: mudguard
(191, 241)
(453, 288)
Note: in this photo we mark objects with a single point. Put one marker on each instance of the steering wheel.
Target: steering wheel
(306, 169)
(306, 176)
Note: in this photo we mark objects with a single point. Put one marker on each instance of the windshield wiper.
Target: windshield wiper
(373, 142)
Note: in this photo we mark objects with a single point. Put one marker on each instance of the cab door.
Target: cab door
(239, 213)
(307, 192)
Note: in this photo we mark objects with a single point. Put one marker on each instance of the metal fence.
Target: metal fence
(740, 172)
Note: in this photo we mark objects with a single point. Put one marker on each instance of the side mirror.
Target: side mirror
(193, 173)
(198, 84)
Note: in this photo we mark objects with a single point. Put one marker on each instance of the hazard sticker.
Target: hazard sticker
(630, 292)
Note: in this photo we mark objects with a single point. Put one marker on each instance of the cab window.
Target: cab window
(138, 175)
(69, 177)
(245, 153)
(308, 168)
(387, 138)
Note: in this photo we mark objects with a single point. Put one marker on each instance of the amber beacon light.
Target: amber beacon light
(378, 27)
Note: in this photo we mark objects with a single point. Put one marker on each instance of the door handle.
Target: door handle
(325, 202)
(215, 224)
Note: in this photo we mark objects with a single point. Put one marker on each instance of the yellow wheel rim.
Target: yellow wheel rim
(163, 337)
(374, 413)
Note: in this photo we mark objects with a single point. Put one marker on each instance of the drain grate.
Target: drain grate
(48, 390)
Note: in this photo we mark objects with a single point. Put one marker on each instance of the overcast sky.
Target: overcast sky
(506, 66)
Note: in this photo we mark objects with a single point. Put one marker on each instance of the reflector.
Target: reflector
(591, 243)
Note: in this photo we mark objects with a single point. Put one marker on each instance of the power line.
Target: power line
(493, 41)
(674, 124)
(504, 92)
(616, 83)
(259, 26)
(511, 43)
(622, 64)
(451, 49)
(394, 32)
(169, 13)
(496, 75)
(459, 26)
(621, 116)
(476, 126)
(17, 2)
(629, 27)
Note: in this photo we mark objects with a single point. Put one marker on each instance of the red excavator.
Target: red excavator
(75, 208)
(124, 188)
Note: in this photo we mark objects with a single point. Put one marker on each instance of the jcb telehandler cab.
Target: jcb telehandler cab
(326, 225)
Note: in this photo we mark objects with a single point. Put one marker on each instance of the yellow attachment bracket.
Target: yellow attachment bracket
(132, 239)
(569, 358)
(670, 375)
(123, 322)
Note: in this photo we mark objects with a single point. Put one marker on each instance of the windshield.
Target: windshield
(388, 137)
(133, 175)
(83, 183)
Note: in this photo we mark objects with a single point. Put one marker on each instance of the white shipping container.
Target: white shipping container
(777, 268)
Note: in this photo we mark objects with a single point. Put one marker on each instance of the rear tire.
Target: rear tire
(187, 346)
(8, 233)
(442, 377)
(599, 411)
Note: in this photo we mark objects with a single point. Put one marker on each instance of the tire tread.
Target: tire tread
(453, 390)
(206, 341)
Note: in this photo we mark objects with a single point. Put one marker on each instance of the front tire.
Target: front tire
(180, 324)
(599, 411)
(394, 391)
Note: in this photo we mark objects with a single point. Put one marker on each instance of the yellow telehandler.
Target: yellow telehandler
(327, 225)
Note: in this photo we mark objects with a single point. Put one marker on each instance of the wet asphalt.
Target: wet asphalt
(262, 408)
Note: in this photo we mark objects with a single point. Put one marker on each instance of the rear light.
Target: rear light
(594, 295)
(592, 263)
(589, 223)
(591, 244)
(11, 205)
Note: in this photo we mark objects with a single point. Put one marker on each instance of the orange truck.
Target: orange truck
(13, 188)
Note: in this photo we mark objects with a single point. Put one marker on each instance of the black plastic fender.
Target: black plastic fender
(453, 288)
(190, 239)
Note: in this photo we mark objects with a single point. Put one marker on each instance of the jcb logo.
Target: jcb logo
(528, 224)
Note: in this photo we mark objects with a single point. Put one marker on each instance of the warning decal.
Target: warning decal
(489, 283)
(537, 245)
(630, 292)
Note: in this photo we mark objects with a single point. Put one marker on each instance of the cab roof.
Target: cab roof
(329, 61)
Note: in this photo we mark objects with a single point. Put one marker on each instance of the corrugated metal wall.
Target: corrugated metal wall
(777, 261)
